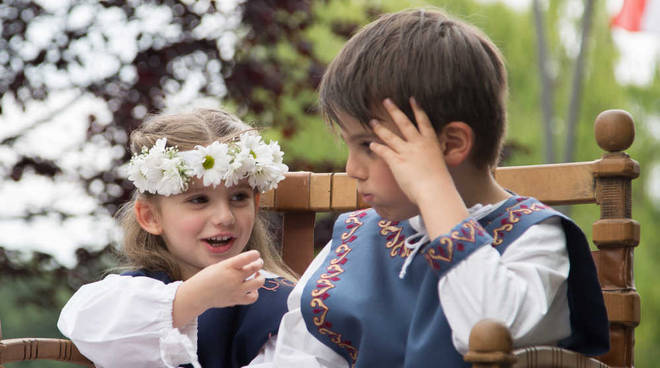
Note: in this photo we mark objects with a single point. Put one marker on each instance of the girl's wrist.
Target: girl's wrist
(187, 304)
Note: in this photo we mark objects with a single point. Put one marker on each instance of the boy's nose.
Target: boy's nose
(355, 169)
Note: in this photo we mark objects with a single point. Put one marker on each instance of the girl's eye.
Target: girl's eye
(198, 199)
(240, 196)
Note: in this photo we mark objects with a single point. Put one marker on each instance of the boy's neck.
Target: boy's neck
(478, 186)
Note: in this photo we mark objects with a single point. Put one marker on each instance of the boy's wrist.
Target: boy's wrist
(440, 205)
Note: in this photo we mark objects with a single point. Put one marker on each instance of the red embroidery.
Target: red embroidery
(326, 283)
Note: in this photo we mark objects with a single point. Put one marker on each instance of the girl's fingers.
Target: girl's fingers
(253, 267)
(401, 120)
(243, 259)
(250, 298)
(252, 285)
(423, 122)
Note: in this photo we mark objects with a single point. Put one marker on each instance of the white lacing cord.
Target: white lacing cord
(423, 238)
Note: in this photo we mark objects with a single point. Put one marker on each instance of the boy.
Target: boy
(419, 99)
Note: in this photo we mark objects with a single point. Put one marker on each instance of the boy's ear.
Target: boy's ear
(147, 216)
(458, 139)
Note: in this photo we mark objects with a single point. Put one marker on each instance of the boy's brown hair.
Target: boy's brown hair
(451, 68)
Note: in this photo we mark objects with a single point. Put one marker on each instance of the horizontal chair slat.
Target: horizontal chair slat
(306, 191)
(554, 184)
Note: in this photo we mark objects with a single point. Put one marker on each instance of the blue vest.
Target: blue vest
(356, 304)
(233, 336)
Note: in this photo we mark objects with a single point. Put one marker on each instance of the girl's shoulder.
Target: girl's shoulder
(158, 275)
(276, 284)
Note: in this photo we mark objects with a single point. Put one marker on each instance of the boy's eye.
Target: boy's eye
(365, 145)
(198, 199)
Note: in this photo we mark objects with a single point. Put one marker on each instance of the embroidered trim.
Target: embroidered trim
(326, 282)
(447, 244)
(274, 284)
(512, 217)
(396, 241)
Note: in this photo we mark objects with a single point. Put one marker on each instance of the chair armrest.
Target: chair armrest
(21, 349)
(553, 357)
(491, 346)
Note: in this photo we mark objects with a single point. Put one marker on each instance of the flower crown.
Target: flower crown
(167, 171)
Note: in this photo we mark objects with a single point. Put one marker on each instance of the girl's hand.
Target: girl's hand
(416, 157)
(219, 285)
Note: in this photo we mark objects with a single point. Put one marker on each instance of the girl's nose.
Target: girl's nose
(223, 215)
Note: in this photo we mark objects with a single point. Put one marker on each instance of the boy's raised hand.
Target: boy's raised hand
(416, 158)
(417, 161)
(219, 285)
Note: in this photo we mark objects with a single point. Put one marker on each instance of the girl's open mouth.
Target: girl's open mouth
(219, 244)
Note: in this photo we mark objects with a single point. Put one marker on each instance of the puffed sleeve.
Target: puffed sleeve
(525, 288)
(127, 321)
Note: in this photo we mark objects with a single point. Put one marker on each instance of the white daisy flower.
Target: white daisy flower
(166, 171)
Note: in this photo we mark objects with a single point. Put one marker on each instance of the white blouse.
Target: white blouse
(525, 288)
(126, 321)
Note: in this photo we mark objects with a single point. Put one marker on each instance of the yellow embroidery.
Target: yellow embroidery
(397, 243)
(514, 215)
(325, 283)
(448, 241)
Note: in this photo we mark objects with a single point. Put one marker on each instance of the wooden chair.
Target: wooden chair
(32, 348)
(605, 182)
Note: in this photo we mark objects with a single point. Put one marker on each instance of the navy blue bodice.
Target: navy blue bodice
(356, 304)
(233, 336)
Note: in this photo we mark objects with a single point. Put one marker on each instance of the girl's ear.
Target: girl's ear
(458, 139)
(147, 216)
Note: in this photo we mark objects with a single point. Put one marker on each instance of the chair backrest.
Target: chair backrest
(605, 182)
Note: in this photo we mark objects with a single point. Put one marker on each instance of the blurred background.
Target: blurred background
(77, 76)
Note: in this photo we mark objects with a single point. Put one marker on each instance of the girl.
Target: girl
(196, 247)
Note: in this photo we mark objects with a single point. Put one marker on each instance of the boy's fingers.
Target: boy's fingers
(383, 151)
(387, 136)
(407, 128)
(423, 121)
(243, 259)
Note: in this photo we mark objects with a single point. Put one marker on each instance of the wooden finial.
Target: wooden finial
(614, 130)
(490, 345)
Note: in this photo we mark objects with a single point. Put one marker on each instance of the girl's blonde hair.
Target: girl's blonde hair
(143, 250)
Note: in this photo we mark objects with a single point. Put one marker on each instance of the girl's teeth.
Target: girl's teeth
(218, 240)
